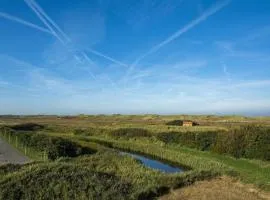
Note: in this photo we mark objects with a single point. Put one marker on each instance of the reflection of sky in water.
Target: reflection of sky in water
(154, 164)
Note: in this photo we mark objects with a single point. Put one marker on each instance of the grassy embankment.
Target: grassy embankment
(105, 175)
(144, 182)
(250, 171)
(69, 176)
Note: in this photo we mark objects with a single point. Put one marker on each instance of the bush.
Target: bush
(55, 147)
(27, 127)
(63, 181)
(88, 131)
(131, 132)
(9, 168)
(175, 123)
(199, 140)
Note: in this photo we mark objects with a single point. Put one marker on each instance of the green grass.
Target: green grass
(105, 175)
(249, 171)
(31, 153)
(133, 120)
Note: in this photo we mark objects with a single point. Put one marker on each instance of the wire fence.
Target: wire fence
(28, 151)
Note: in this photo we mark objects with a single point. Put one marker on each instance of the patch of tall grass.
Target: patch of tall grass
(105, 175)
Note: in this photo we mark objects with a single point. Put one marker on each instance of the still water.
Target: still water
(154, 164)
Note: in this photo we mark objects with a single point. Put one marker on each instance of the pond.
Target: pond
(154, 164)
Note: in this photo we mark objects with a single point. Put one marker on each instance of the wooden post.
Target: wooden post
(16, 141)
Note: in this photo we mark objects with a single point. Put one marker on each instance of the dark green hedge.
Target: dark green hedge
(89, 131)
(131, 132)
(27, 127)
(55, 147)
(175, 123)
(200, 140)
(247, 142)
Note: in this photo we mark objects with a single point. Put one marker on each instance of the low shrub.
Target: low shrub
(131, 132)
(27, 127)
(89, 131)
(63, 181)
(175, 123)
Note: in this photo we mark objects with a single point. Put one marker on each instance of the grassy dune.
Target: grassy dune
(107, 175)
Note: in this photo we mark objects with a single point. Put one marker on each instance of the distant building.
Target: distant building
(182, 123)
(188, 123)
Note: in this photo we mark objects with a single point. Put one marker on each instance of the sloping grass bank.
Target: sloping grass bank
(257, 173)
(105, 175)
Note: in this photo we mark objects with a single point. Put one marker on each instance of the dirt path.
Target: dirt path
(9, 154)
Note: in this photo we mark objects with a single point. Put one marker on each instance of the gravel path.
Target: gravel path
(9, 154)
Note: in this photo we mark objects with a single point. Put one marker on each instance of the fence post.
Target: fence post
(16, 141)
(9, 138)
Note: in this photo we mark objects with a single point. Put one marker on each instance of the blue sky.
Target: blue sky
(135, 56)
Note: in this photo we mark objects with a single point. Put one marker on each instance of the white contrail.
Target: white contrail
(44, 21)
(106, 57)
(23, 22)
(40, 10)
(218, 6)
(34, 5)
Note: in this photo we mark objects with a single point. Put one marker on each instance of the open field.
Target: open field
(235, 146)
(134, 120)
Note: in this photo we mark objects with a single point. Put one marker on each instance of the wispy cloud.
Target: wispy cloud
(138, 14)
(190, 64)
(226, 46)
(235, 49)
(107, 57)
(23, 22)
(62, 37)
(252, 84)
(238, 47)
(3, 83)
(216, 96)
(80, 55)
(226, 73)
(209, 12)
(181, 31)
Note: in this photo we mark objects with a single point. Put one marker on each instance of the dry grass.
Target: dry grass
(223, 188)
